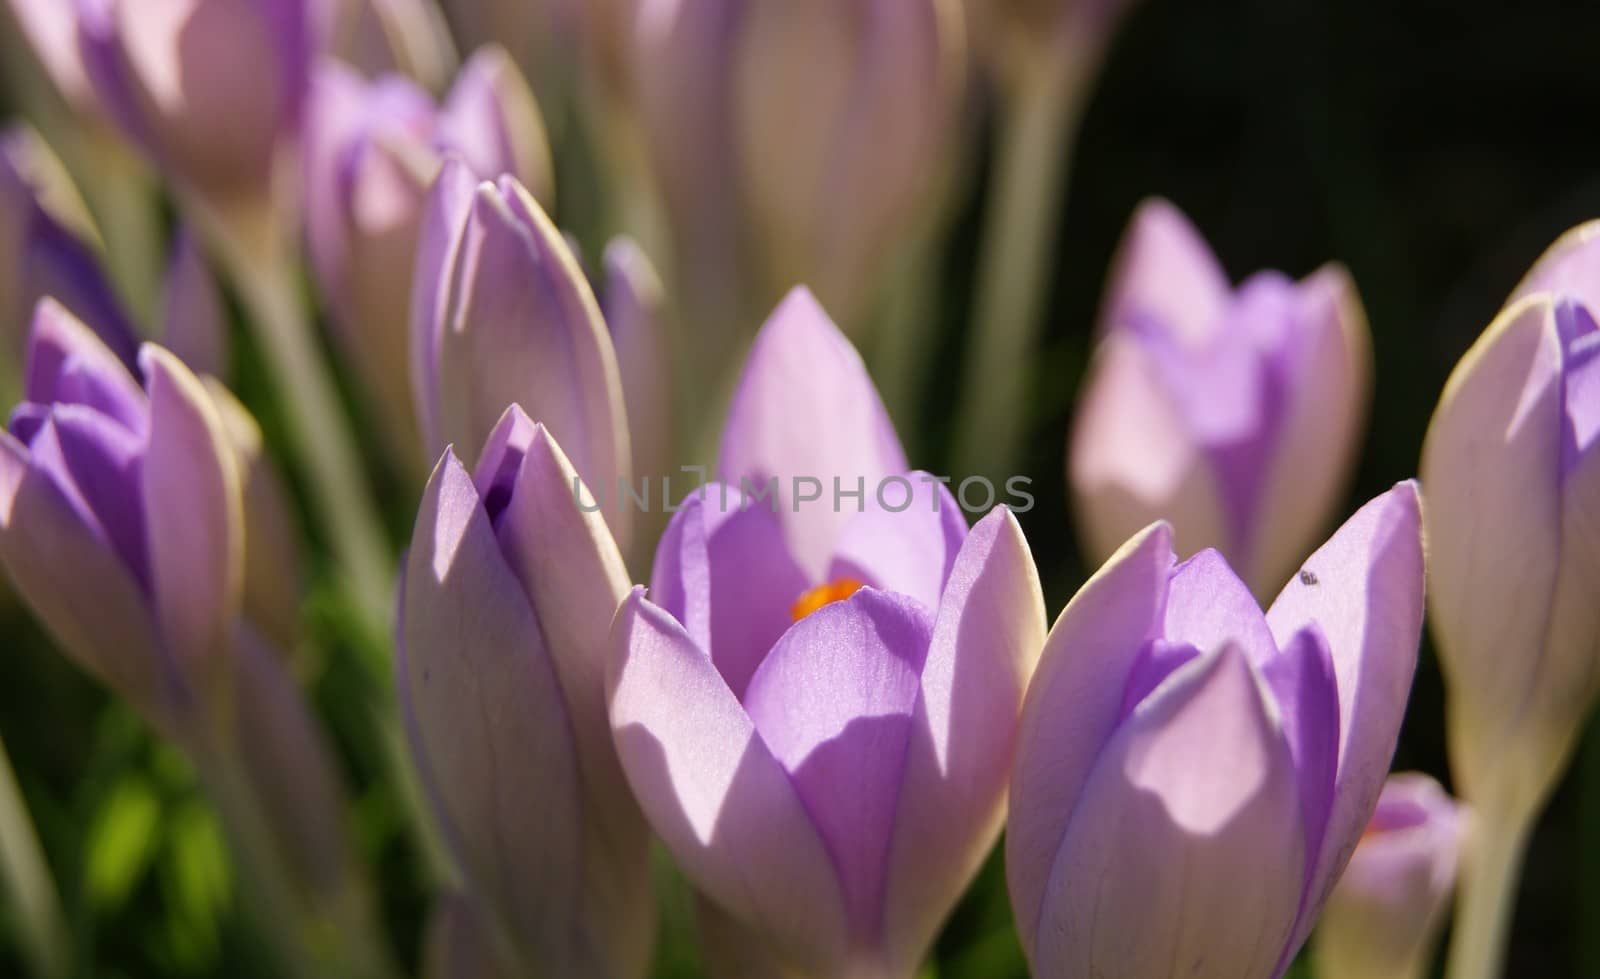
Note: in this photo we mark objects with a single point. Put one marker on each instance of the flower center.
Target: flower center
(814, 598)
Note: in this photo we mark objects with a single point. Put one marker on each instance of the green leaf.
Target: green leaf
(121, 842)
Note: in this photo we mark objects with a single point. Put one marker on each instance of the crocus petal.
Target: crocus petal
(525, 329)
(491, 119)
(83, 592)
(194, 513)
(834, 702)
(1073, 705)
(723, 571)
(1317, 437)
(438, 242)
(1207, 605)
(1184, 853)
(987, 636)
(460, 942)
(909, 550)
(52, 32)
(1492, 447)
(1571, 266)
(574, 578)
(96, 463)
(492, 730)
(805, 408)
(1164, 270)
(714, 792)
(1363, 590)
(194, 324)
(1306, 691)
(1132, 459)
(67, 363)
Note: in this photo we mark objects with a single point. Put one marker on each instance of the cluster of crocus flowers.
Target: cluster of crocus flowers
(815, 706)
(1234, 414)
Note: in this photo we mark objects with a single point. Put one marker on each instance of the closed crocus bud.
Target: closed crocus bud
(1513, 486)
(1191, 775)
(40, 256)
(502, 314)
(1233, 414)
(509, 593)
(121, 516)
(209, 89)
(813, 131)
(371, 151)
(1384, 916)
(408, 37)
(816, 710)
(842, 113)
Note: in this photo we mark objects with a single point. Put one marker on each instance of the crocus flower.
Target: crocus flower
(1384, 916)
(209, 89)
(816, 710)
(371, 151)
(122, 526)
(1192, 775)
(509, 593)
(1231, 413)
(539, 33)
(40, 256)
(811, 132)
(501, 314)
(1513, 486)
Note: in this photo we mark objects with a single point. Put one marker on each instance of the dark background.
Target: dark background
(1434, 148)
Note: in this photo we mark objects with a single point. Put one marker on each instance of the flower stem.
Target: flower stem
(28, 884)
(1038, 125)
(261, 267)
(1486, 895)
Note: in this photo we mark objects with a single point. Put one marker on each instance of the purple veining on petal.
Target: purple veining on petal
(1580, 368)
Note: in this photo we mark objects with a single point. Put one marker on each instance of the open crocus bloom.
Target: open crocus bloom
(818, 715)
(1231, 413)
(1192, 775)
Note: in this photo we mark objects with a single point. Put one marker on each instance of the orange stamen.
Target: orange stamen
(814, 598)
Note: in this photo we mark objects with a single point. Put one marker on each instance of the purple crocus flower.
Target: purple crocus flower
(123, 527)
(501, 313)
(1231, 413)
(209, 89)
(817, 709)
(1383, 918)
(1192, 775)
(1512, 472)
(508, 597)
(371, 151)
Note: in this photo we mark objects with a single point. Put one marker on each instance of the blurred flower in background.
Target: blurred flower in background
(372, 150)
(1233, 413)
(1383, 919)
